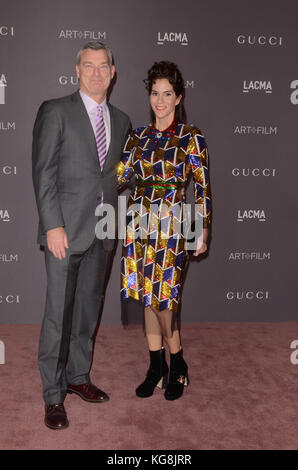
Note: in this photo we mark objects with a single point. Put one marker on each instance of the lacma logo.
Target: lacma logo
(4, 215)
(257, 85)
(251, 214)
(3, 84)
(172, 38)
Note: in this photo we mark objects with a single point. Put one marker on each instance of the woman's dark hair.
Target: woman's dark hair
(170, 71)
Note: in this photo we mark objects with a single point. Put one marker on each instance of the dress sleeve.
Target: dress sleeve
(197, 154)
(125, 168)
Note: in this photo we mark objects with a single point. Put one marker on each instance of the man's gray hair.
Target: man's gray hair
(95, 46)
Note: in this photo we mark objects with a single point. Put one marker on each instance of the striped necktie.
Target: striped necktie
(100, 136)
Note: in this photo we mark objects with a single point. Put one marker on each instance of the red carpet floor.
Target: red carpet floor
(243, 392)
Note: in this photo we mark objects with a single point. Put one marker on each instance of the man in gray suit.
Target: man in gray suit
(77, 144)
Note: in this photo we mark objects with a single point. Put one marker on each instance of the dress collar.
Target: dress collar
(160, 138)
(169, 132)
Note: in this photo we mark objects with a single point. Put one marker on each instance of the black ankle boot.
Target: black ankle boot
(157, 375)
(178, 377)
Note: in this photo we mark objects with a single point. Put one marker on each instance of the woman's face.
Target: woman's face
(163, 99)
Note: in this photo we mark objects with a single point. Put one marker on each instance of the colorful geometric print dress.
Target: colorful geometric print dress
(153, 253)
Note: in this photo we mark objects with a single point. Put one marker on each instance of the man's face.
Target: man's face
(95, 73)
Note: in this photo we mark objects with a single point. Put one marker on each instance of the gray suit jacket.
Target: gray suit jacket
(67, 178)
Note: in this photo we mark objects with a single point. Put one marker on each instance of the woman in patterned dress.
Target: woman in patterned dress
(161, 156)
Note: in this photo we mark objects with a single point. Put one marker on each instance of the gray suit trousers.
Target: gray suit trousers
(75, 293)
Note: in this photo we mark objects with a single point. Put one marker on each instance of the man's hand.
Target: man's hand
(57, 242)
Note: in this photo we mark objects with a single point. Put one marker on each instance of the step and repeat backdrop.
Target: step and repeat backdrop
(239, 61)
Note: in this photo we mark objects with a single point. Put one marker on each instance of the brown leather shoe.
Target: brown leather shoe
(88, 392)
(55, 416)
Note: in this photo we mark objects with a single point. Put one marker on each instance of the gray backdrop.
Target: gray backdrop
(239, 61)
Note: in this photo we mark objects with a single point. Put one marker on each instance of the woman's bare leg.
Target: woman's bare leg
(153, 330)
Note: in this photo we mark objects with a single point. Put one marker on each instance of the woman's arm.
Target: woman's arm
(199, 161)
